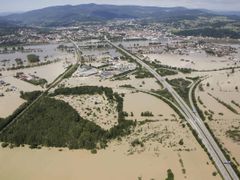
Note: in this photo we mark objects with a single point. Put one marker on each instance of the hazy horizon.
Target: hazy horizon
(217, 5)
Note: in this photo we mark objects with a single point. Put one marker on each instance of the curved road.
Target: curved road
(196, 123)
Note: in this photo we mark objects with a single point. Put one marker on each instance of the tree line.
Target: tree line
(54, 123)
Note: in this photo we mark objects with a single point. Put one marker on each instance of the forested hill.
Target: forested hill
(67, 15)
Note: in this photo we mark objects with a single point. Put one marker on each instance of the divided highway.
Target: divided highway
(194, 120)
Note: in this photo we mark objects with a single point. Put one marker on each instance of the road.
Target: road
(55, 82)
(191, 99)
(195, 122)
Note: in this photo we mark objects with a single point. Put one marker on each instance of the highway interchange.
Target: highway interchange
(193, 119)
(190, 115)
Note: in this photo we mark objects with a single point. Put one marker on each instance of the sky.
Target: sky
(25, 5)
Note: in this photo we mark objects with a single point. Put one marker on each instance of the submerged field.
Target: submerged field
(152, 147)
(218, 98)
(128, 132)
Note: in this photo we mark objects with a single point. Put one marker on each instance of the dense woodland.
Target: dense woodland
(33, 58)
(210, 32)
(54, 123)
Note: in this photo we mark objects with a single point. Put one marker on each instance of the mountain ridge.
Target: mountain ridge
(69, 14)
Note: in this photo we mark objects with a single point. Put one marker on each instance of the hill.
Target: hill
(68, 15)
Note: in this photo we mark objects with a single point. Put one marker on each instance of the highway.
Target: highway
(190, 98)
(194, 120)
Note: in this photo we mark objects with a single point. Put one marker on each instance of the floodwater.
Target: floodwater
(128, 44)
(46, 52)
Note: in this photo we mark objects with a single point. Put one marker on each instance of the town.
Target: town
(158, 98)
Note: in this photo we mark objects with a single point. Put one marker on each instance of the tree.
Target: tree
(20, 48)
(57, 124)
(33, 58)
(214, 173)
(170, 175)
(19, 61)
(181, 142)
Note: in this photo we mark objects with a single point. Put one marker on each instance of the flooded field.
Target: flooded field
(198, 61)
(46, 52)
(161, 151)
(52, 164)
(167, 142)
(222, 86)
(10, 99)
(129, 44)
(95, 108)
(141, 102)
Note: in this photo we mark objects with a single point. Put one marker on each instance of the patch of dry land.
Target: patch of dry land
(219, 98)
(157, 143)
